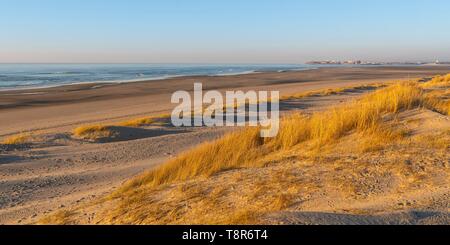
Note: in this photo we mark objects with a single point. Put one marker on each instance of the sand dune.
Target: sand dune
(367, 162)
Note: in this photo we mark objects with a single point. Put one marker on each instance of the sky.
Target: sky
(222, 31)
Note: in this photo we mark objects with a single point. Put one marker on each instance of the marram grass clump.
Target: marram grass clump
(94, 132)
(97, 132)
(438, 81)
(18, 139)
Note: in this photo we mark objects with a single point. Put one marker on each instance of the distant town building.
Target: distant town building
(360, 62)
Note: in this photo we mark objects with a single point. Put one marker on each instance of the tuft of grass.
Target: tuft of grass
(438, 81)
(18, 139)
(438, 99)
(244, 149)
(332, 91)
(138, 122)
(144, 121)
(438, 104)
(94, 132)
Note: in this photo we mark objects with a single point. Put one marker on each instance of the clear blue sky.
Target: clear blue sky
(226, 31)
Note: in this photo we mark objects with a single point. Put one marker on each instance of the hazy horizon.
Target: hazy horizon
(227, 32)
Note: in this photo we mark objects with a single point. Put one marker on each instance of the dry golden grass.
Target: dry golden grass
(364, 115)
(144, 121)
(94, 132)
(206, 159)
(439, 141)
(17, 139)
(333, 91)
(342, 179)
(138, 122)
(438, 81)
(438, 104)
(325, 92)
(438, 94)
(375, 140)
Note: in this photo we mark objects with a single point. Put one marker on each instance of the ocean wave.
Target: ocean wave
(37, 76)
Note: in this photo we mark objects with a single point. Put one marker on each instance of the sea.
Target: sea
(25, 76)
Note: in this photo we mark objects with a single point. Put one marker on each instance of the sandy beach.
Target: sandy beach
(58, 171)
(62, 108)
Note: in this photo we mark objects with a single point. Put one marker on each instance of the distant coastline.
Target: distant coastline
(23, 77)
(361, 62)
